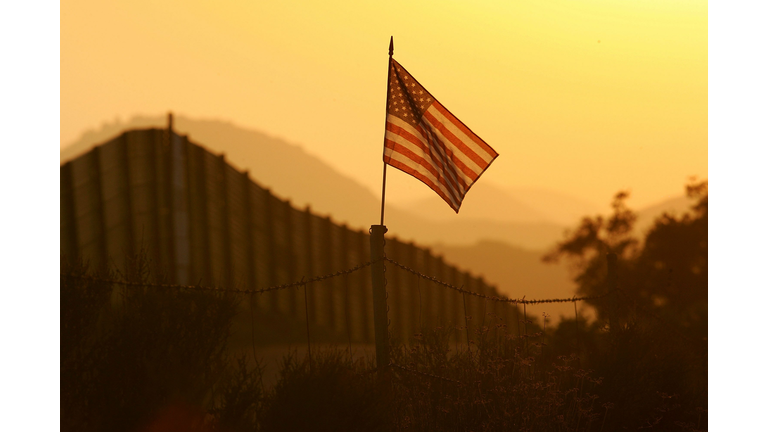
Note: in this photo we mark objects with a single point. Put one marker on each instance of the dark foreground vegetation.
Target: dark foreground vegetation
(150, 359)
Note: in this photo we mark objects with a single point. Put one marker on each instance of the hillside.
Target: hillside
(516, 205)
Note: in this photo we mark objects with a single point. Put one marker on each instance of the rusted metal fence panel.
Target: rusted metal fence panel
(283, 252)
(117, 211)
(362, 285)
(237, 226)
(89, 223)
(67, 218)
(334, 287)
(318, 303)
(299, 258)
(395, 290)
(180, 229)
(200, 269)
(261, 239)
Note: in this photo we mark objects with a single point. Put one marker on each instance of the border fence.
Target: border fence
(204, 223)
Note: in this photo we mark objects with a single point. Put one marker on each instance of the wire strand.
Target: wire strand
(495, 298)
(220, 289)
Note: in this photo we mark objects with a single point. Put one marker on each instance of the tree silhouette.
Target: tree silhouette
(665, 273)
(654, 359)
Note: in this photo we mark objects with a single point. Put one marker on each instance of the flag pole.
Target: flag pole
(384, 179)
(383, 190)
(378, 284)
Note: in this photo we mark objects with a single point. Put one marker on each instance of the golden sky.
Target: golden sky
(581, 96)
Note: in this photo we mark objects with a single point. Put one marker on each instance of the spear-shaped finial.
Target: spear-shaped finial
(391, 45)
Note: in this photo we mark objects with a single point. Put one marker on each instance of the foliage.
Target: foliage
(654, 359)
(239, 399)
(506, 382)
(333, 393)
(666, 273)
(141, 358)
(147, 349)
(81, 305)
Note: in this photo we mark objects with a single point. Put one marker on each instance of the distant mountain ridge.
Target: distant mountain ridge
(484, 201)
(517, 205)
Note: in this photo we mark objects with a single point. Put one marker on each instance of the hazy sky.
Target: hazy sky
(581, 96)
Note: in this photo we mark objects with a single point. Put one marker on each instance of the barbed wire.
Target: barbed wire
(302, 282)
(495, 298)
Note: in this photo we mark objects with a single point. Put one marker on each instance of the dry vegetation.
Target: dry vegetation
(140, 358)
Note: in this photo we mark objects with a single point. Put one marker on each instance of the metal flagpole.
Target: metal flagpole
(383, 191)
(378, 281)
(384, 180)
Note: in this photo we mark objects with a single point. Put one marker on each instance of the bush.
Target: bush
(125, 360)
(336, 394)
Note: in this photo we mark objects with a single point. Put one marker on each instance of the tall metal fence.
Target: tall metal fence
(201, 222)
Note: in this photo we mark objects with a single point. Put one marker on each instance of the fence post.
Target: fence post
(379, 303)
(611, 280)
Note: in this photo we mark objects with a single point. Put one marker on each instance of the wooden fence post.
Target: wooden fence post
(379, 303)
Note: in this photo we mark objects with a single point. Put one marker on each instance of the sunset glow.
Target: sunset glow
(585, 97)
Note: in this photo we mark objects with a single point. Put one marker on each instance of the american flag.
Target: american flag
(425, 140)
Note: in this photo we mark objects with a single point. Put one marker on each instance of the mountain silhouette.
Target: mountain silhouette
(485, 201)
(558, 207)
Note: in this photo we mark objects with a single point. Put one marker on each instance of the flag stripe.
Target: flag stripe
(419, 161)
(436, 146)
(439, 125)
(403, 146)
(419, 157)
(465, 130)
(408, 170)
(419, 138)
(422, 165)
(404, 163)
(448, 152)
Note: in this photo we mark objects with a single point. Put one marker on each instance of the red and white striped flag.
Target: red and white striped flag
(425, 140)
